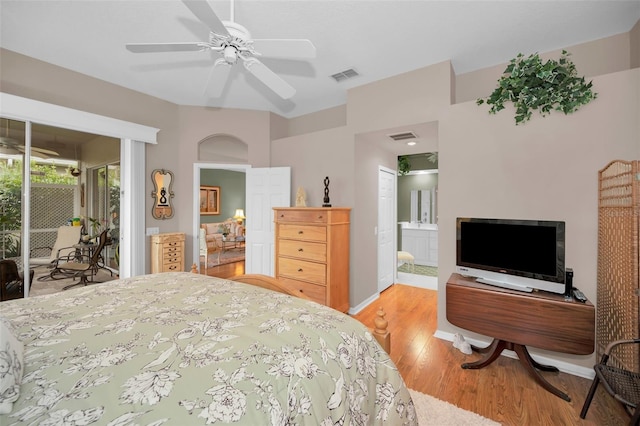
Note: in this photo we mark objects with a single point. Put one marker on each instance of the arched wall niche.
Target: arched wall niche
(223, 148)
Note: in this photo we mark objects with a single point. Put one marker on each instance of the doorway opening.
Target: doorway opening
(418, 220)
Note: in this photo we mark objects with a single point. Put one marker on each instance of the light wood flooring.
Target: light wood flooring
(503, 391)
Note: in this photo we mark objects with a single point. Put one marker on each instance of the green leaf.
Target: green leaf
(531, 84)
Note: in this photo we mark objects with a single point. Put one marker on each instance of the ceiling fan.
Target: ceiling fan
(234, 41)
(10, 146)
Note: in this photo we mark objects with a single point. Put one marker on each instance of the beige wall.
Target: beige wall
(30, 78)
(320, 120)
(597, 57)
(634, 42)
(412, 97)
(546, 169)
(488, 166)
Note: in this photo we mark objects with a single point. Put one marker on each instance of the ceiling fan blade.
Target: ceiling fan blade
(218, 78)
(165, 47)
(16, 147)
(269, 78)
(34, 152)
(44, 151)
(204, 13)
(285, 48)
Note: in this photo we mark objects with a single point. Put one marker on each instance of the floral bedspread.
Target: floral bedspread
(185, 349)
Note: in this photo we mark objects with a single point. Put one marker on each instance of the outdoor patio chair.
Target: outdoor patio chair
(67, 237)
(81, 265)
(623, 385)
(11, 282)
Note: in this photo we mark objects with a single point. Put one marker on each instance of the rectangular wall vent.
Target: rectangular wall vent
(345, 75)
(403, 136)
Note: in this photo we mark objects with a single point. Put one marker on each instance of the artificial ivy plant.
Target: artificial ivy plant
(531, 84)
(404, 166)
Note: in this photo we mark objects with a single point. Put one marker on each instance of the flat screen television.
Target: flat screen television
(518, 254)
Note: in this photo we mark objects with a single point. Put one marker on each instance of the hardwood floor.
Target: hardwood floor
(227, 270)
(503, 391)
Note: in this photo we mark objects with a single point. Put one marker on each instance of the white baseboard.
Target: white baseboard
(415, 280)
(356, 309)
(565, 367)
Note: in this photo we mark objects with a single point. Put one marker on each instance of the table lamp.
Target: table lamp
(239, 216)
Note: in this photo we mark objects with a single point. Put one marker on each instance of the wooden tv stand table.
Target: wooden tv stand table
(516, 319)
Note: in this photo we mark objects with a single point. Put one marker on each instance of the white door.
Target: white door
(386, 227)
(266, 188)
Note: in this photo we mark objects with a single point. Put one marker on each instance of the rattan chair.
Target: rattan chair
(622, 384)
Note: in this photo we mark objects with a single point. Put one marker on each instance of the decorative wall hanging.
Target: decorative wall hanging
(162, 194)
(209, 199)
(531, 84)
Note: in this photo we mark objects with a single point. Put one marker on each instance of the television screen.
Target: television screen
(520, 252)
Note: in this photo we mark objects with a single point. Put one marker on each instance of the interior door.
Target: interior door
(266, 188)
(386, 227)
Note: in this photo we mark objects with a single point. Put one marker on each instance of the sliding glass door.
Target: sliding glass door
(105, 208)
(11, 178)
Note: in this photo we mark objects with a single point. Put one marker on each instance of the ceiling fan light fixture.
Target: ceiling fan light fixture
(232, 41)
(230, 54)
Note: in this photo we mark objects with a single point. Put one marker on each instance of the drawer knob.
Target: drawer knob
(299, 269)
(300, 232)
(320, 217)
(301, 249)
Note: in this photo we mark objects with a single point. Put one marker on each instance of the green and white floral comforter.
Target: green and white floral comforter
(185, 349)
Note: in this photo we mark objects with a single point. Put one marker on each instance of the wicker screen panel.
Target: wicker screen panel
(618, 220)
(51, 206)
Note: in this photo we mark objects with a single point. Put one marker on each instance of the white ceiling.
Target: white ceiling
(376, 38)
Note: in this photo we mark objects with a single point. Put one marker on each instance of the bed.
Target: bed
(185, 349)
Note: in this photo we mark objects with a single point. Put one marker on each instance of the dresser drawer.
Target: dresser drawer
(303, 250)
(307, 216)
(303, 232)
(172, 266)
(317, 293)
(167, 250)
(302, 270)
(172, 256)
(173, 238)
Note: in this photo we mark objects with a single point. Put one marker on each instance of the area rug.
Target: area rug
(432, 411)
(229, 256)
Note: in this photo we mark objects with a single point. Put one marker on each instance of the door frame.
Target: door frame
(197, 168)
(133, 138)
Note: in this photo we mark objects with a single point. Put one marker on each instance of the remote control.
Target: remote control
(579, 296)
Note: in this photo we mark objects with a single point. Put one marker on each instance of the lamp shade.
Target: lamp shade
(239, 214)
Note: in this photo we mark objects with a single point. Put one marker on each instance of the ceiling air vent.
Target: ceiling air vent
(345, 75)
(403, 136)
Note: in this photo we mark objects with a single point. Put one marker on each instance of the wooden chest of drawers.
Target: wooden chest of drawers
(312, 252)
(167, 252)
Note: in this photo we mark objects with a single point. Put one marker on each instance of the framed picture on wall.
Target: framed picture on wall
(209, 199)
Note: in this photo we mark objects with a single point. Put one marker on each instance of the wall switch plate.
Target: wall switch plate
(153, 231)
